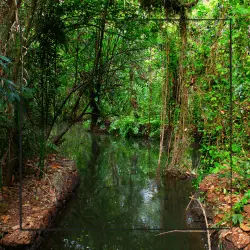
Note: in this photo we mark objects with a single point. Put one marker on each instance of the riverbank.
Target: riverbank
(41, 201)
(216, 190)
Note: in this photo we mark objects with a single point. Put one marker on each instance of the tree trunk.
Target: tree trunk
(164, 107)
(98, 72)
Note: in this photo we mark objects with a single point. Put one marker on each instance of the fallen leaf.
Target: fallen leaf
(224, 233)
(228, 199)
(245, 227)
(55, 166)
(239, 238)
(221, 198)
(5, 218)
(16, 227)
(247, 209)
(218, 218)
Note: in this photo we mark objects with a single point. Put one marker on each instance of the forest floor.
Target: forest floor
(41, 199)
(218, 197)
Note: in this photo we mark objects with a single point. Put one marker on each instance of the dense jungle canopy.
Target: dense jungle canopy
(153, 69)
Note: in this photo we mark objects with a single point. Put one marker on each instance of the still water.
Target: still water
(119, 205)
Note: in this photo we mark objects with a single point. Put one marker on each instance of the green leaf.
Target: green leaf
(4, 58)
(237, 218)
(236, 148)
(3, 65)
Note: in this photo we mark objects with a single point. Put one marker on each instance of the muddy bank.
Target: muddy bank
(41, 201)
(217, 203)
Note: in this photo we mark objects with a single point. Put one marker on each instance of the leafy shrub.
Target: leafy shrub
(125, 126)
(131, 126)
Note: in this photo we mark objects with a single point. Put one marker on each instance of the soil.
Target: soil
(41, 200)
(217, 193)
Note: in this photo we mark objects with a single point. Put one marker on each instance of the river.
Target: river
(119, 205)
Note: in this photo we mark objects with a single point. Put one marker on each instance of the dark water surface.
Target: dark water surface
(118, 205)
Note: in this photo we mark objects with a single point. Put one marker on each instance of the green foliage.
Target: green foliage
(238, 206)
(127, 126)
(242, 170)
(4, 61)
(237, 218)
(79, 53)
(137, 127)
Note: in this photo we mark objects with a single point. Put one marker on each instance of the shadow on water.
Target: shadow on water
(118, 204)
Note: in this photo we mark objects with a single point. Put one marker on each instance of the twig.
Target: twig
(191, 199)
(182, 231)
(46, 176)
(205, 217)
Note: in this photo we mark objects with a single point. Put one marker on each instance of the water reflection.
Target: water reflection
(118, 204)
